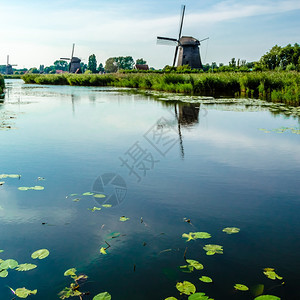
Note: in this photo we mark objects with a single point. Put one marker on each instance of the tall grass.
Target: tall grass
(275, 86)
(2, 84)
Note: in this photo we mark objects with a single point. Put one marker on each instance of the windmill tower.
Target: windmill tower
(188, 47)
(9, 69)
(74, 66)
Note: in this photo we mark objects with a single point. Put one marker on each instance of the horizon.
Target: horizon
(38, 32)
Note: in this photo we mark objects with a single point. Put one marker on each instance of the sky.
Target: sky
(38, 32)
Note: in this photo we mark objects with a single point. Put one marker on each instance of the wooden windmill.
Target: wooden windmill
(8, 67)
(188, 47)
(74, 66)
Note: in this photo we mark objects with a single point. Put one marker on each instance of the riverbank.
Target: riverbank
(273, 86)
(2, 86)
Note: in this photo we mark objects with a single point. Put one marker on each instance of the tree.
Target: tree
(232, 63)
(111, 65)
(100, 68)
(92, 64)
(61, 65)
(140, 61)
(83, 67)
(33, 70)
(125, 62)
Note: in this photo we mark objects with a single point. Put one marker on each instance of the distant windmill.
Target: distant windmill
(74, 66)
(8, 67)
(188, 47)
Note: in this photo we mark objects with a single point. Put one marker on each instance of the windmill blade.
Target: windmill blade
(175, 56)
(7, 59)
(64, 58)
(71, 57)
(181, 21)
(204, 40)
(166, 41)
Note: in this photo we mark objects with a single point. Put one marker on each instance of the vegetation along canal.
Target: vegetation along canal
(147, 196)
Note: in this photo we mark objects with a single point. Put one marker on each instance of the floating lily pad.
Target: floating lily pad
(186, 288)
(195, 264)
(76, 199)
(88, 194)
(212, 249)
(270, 273)
(94, 208)
(24, 293)
(196, 235)
(3, 273)
(231, 230)
(107, 205)
(99, 196)
(25, 267)
(267, 297)
(205, 279)
(36, 188)
(24, 188)
(187, 269)
(198, 296)
(102, 251)
(40, 254)
(70, 272)
(171, 298)
(241, 287)
(8, 264)
(103, 296)
(68, 292)
(123, 219)
(2, 182)
(9, 176)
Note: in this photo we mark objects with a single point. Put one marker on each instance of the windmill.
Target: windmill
(188, 47)
(74, 66)
(8, 67)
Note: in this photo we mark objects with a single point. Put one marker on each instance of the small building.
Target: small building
(142, 67)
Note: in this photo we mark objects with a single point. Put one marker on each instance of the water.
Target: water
(215, 167)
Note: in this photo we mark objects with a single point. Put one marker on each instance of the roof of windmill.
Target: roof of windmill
(76, 59)
(189, 40)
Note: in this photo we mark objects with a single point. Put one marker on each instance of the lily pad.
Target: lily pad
(25, 267)
(8, 264)
(196, 235)
(24, 293)
(241, 287)
(107, 205)
(198, 296)
(186, 288)
(70, 272)
(189, 236)
(40, 254)
(103, 296)
(88, 194)
(231, 230)
(123, 219)
(212, 249)
(195, 264)
(267, 297)
(270, 273)
(102, 251)
(3, 273)
(171, 298)
(99, 196)
(187, 269)
(205, 279)
(94, 208)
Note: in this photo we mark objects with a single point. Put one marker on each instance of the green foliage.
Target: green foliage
(2, 84)
(186, 288)
(141, 61)
(92, 64)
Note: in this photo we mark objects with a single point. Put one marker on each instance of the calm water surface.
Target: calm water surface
(159, 161)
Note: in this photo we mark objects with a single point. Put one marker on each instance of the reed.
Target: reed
(273, 86)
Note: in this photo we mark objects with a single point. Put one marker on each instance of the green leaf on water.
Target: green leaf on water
(241, 287)
(187, 269)
(76, 200)
(23, 188)
(8, 264)
(103, 296)
(188, 236)
(186, 288)
(3, 273)
(99, 196)
(270, 273)
(94, 208)
(38, 188)
(195, 264)
(267, 297)
(107, 205)
(88, 194)
(212, 249)
(171, 298)
(198, 296)
(26, 188)
(40, 254)
(70, 272)
(102, 251)
(205, 279)
(231, 230)
(25, 267)
(123, 219)
(24, 293)
(196, 235)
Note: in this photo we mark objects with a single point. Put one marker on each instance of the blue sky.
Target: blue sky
(38, 32)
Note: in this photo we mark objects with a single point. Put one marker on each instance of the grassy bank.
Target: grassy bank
(2, 85)
(275, 86)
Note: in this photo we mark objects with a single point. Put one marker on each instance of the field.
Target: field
(274, 86)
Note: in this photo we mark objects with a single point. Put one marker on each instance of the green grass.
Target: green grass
(274, 86)
(2, 85)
